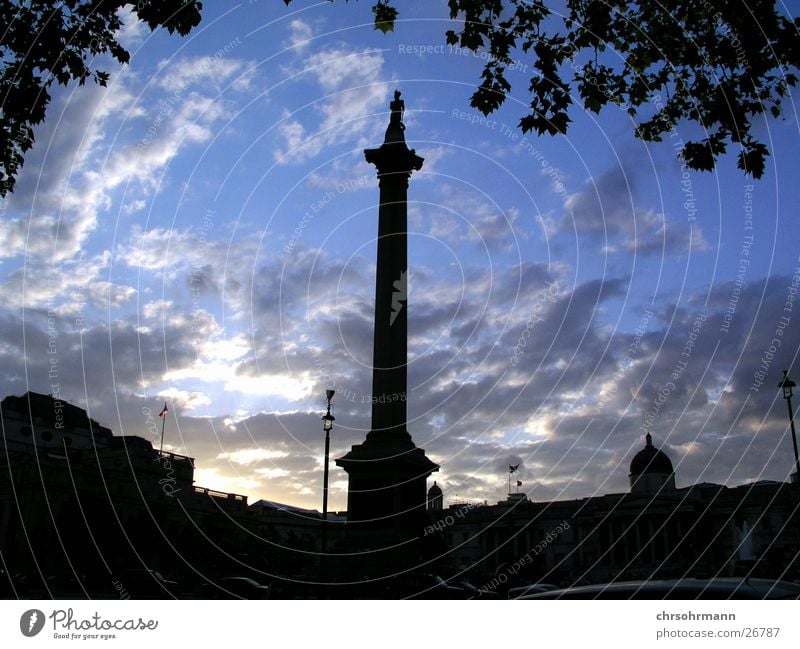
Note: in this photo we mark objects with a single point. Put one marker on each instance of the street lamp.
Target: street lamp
(327, 425)
(786, 385)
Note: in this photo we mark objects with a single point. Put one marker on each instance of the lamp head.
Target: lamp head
(329, 394)
(786, 385)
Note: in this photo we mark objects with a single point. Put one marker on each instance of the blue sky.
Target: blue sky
(203, 231)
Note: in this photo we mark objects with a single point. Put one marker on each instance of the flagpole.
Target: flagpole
(163, 415)
(163, 421)
(512, 469)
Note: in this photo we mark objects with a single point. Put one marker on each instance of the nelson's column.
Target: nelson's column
(387, 472)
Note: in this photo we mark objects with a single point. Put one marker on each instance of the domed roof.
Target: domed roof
(650, 460)
(435, 490)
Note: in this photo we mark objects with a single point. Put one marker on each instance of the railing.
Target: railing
(175, 457)
(220, 494)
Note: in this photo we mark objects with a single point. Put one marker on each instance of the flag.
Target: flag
(164, 411)
(512, 467)
(519, 483)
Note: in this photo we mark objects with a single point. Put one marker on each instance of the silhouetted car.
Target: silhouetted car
(235, 588)
(25, 588)
(143, 583)
(66, 587)
(531, 589)
(293, 588)
(718, 589)
(473, 592)
(423, 586)
(5, 585)
(20, 586)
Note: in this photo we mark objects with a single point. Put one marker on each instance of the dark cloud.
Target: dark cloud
(608, 210)
(604, 207)
(571, 410)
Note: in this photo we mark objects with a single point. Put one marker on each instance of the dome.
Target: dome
(650, 460)
(435, 490)
(435, 498)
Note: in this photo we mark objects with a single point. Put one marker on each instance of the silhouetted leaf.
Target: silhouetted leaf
(683, 52)
(751, 160)
(695, 62)
(698, 156)
(385, 16)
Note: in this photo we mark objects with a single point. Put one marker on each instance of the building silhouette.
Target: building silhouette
(80, 506)
(82, 509)
(651, 470)
(654, 531)
(435, 499)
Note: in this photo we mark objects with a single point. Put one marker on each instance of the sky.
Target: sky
(203, 232)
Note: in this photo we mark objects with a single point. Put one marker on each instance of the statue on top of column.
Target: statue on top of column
(397, 106)
(394, 132)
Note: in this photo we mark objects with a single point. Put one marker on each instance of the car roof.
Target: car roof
(722, 588)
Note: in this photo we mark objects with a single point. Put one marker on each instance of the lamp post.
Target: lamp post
(327, 425)
(786, 385)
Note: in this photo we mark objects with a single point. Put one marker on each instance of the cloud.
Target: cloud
(161, 250)
(571, 411)
(484, 223)
(133, 31)
(209, 72)
(353, 91)
(607, 209)
(340, 176)
(55, 206)
(300, 35)
(668, 238)
(66, 289)
(96, 142)
(202, 264)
